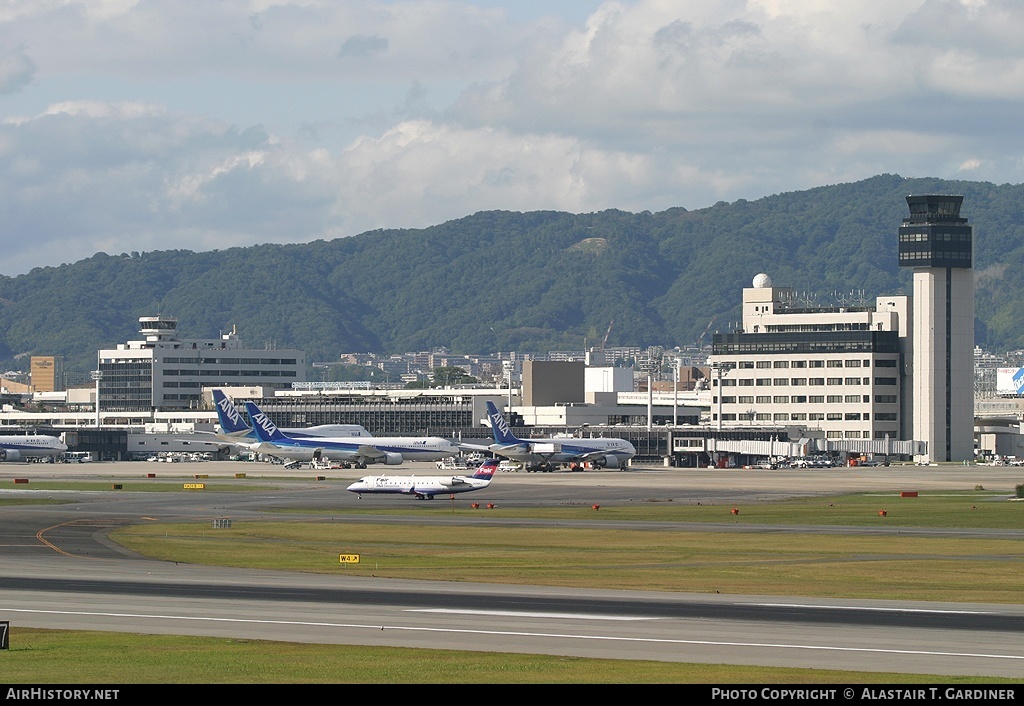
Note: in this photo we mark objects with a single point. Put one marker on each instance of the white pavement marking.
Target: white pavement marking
(510, 633)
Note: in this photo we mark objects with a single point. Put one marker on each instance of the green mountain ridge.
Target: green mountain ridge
(535, 281)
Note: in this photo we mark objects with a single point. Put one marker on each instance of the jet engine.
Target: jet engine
(10, 455)
(392, 459)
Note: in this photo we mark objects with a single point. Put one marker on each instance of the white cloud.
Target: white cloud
(16, 71)
(254, 40)
(81, 177)
(427, 170)
(157, 124)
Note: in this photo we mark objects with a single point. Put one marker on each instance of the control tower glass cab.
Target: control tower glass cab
(158, 328)
(935, 235)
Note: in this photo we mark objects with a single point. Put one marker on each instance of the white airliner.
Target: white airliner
(16, 448)
(426, 487)
(546, 454)
(377, 449)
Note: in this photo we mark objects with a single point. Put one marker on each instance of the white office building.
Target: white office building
(163, 372)
(837, 368)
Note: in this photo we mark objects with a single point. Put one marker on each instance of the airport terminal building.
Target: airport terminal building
(166, 373)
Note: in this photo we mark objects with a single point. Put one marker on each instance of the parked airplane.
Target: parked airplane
(236, 430)
(16, 448)
(388, 450)
(426, 487)
(546, 454)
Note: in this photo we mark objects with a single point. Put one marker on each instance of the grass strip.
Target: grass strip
(39, 656)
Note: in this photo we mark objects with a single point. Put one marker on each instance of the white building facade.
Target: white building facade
(835, 369)
(164, 372)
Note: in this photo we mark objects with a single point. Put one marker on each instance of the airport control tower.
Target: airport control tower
(938, 244)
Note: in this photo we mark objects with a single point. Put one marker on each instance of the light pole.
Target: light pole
(97, 375)
(721, 369)
(675, 396)
(650, 403)
(509, 367)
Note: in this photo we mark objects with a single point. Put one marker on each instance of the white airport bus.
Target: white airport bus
(77, 457)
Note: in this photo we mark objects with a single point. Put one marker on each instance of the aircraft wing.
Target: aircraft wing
(230, 436)
(216, 445)
(208, 435)
(206, 439)
(475, 447)
(597, 453)
(508, 448)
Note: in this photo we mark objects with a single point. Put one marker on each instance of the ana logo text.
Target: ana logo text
(230, 411)
(265, 424)
(502, 424)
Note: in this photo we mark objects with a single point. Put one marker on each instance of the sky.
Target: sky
(141, 125)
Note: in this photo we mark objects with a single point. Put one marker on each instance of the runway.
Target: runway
(61, 572)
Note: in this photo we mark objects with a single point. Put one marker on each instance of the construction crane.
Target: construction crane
(606, 334)
(706, 329)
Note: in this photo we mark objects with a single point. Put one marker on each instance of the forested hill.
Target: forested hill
(533, 281)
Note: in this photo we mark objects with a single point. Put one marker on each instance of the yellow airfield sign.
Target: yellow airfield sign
(348, 558)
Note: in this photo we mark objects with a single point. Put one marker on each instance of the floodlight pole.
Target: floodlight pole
(97, 375)
(675, 396)
(510, 367)
(650, 403)
(721, 369)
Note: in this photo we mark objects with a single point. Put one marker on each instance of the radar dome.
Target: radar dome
(762, 281)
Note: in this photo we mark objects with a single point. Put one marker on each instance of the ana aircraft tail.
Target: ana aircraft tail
(499, 427)
(230, 418)
(262, 426)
